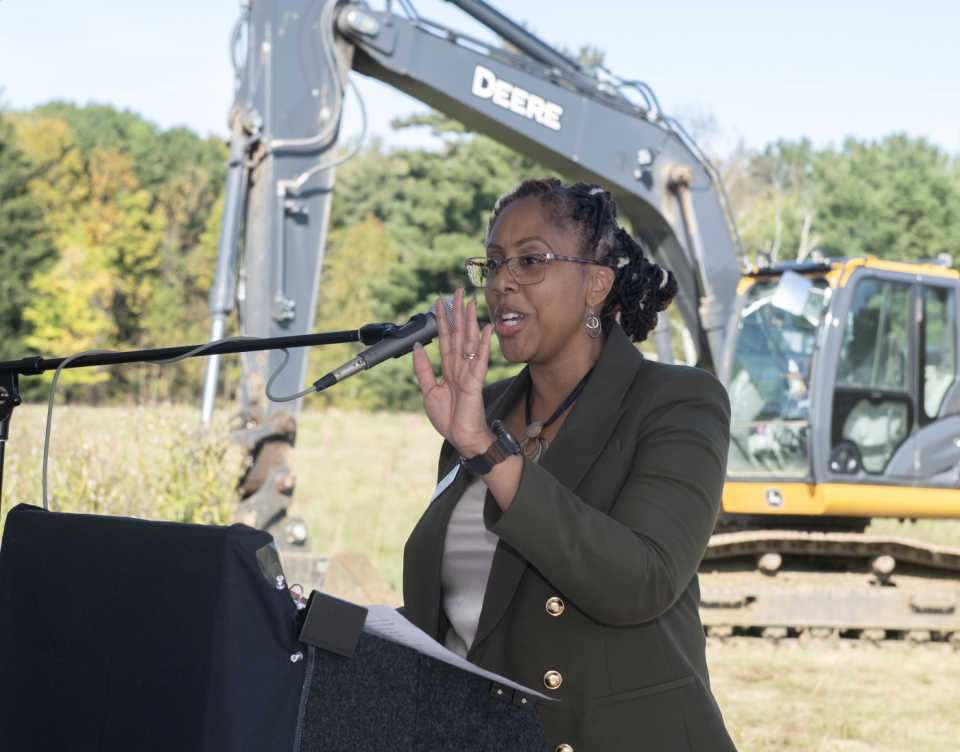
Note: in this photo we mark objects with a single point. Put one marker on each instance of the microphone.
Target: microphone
(396, 342)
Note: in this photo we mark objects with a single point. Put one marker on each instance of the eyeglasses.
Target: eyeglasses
(526, 269)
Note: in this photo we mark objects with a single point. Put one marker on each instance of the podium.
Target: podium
(120, 634)
(390, 697)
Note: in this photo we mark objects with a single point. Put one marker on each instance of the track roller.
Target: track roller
(769, 563)
(873, 635)
(723, 631)
(883, 567)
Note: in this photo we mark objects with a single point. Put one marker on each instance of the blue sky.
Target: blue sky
(763, 70)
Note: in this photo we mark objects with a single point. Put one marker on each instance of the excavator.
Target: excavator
(842, 372)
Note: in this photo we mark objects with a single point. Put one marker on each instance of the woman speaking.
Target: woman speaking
(576, 499)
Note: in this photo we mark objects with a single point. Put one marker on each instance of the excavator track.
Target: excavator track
(790, 583)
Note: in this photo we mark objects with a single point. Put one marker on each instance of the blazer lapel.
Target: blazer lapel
(585, 432)
(575, 448)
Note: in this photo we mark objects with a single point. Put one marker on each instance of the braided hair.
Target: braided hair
(641, 289)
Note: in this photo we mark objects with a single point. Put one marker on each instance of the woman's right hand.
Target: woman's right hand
(455, 404)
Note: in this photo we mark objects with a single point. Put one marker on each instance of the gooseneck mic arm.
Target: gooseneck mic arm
(34, 366)
(385, 340)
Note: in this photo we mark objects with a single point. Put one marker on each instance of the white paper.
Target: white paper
(386, 623)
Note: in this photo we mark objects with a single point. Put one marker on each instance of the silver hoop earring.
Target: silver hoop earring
(593, 325)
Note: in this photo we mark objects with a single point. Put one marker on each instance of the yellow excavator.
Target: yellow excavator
(845, 401)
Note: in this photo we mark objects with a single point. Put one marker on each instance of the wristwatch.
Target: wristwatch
(504, 446)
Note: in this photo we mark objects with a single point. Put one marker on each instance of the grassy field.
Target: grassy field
(152, 463)
(363, 481)
(855, 697)
(946, 532)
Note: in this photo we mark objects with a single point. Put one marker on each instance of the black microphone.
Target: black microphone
(422, 328)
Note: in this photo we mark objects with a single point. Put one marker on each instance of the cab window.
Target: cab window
(874, 350)
(938, 350)
(872, 407)
(770, 378)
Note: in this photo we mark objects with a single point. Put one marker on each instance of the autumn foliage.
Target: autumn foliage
(109, 229)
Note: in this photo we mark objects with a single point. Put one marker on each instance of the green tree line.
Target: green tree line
(108, 234)
(897, 198)
(109, 228)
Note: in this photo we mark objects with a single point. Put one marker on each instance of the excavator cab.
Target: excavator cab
(845, 402)
(844, 394)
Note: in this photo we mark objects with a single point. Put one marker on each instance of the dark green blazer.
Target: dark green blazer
(613, 522)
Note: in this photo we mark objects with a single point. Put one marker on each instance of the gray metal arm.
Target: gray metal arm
(285, 120)
(579, 127)
(224, 291)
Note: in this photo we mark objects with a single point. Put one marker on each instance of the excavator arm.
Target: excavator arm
(285, 122)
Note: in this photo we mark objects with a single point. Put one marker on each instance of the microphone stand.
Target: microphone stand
(11, 370)
(9, 399)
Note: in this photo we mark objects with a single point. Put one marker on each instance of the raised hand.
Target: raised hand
(455, 404)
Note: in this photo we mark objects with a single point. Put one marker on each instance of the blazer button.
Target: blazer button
(552, 679)
(564, 748)
(554, 606)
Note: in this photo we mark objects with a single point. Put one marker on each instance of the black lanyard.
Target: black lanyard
(538, 426)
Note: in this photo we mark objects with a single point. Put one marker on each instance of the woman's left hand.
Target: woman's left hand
(455, 405)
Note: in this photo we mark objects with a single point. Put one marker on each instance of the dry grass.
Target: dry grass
(135, 462)
(363, 481)
(945, 532)
(854, 697)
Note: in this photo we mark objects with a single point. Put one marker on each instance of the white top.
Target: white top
(467, 557)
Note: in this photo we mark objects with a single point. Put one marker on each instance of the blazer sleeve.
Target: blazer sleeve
(632, 565)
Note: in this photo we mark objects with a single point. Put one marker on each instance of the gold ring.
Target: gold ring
(469, 356)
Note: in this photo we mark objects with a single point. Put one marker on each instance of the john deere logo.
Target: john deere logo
(487, 86)
(773, 497)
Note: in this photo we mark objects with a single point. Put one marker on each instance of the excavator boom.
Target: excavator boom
(291, 82)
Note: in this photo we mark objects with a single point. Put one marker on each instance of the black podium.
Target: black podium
(120, 634)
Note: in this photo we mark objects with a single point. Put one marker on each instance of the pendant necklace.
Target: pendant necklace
(533, 446)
